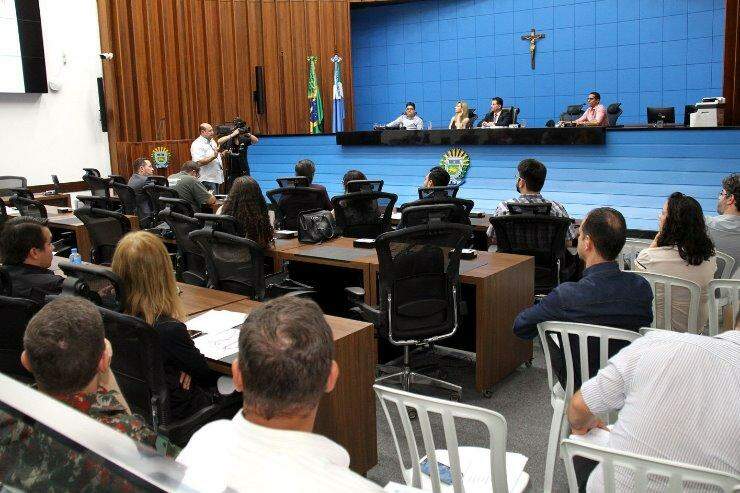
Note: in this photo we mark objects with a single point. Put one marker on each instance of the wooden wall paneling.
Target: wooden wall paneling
(227, 65)
(731, 90)
(158, 77)
(300, 66)
(243, 60)
(256, 57)
(185, 90)
(109, 78)
(127, 117)
(286, 72)
(343, 30)
(272, 66)
(142, 71)
(212, 67)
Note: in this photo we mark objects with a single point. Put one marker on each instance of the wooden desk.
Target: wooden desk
(198, 300)
(69, 222)
(502, 287)
(347, 415)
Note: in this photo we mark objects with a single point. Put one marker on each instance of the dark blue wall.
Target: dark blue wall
(434, 52)
(634, 172)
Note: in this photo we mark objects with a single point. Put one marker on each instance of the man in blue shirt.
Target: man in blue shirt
(604, 295)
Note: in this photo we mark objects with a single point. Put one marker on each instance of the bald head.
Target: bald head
(206, 130)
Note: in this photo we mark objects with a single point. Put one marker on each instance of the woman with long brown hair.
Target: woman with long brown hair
(142, 263)
(247, 205)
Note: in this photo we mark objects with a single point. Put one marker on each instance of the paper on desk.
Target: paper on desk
(218, 345)
(12, 210)
(214, 321)
(396, 216)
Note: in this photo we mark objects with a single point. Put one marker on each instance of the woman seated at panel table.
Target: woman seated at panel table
(247, 205)
(142, 263)
(460, 119)
(682, 248)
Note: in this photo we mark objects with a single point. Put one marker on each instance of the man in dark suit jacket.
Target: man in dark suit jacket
(496, 117)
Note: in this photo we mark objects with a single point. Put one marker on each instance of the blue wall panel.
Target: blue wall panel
(635, 172)
(434, 52)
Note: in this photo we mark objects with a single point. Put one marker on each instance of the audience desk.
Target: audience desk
(69, 222)
(347, 415)
(496, 287)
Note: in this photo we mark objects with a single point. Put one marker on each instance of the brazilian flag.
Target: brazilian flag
(315, 107)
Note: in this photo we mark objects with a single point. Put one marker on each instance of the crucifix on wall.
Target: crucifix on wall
(532, 37)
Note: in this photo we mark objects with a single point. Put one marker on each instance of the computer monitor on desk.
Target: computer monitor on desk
(666, 115)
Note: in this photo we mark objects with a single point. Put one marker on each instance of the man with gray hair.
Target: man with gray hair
(285, 365)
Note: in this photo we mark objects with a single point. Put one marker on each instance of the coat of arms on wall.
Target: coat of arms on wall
(457, 162)
(161, 157)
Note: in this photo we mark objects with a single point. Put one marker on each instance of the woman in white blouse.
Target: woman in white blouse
(460, 119)
(682, 249)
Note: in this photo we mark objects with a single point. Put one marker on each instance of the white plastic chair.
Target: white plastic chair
(725, 265)
(730, 288)
(473, 469)
(559, 397)
(673, 474)
(632, 247)
(668, 283)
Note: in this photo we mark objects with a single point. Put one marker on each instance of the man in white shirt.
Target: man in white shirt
(409, 120)
(285, 365)
(724, 230)
(677, 396)
(204, 151)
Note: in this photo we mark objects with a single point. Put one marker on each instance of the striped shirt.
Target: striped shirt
(557, 210)
(677, 396)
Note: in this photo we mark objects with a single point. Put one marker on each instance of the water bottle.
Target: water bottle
(75, 257)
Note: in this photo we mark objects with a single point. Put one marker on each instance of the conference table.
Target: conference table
(496, 287)
(67, 221)
(346, 415)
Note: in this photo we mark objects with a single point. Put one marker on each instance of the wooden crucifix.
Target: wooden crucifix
(532, 37)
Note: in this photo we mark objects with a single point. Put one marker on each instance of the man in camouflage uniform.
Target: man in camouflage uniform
(66, 350)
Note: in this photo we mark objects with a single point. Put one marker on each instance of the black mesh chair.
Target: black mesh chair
(364, 214)
(572, 112)
(542, 237)
(15, 314)
(99, 186)
(289, 202)
(95, 283)
(426, 214)
(127, 195)
(472, 117)
(514, 112)
(237, 265)
(139, 372)
(292, 181)
(419, 293)
(158, 180)
(542, 209)
(105, 228)
(6, 285)
(460, 215)
(117, 179)
(191, 263)
(154, 192)
(23, 192)
(91, 171)
(220, 222)
(613, 112)
(438, 192)
(29, 208)
(364, 186)
(181, 206)
(9, 182)
(3, 213)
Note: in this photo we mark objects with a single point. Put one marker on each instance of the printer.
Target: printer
(709, 113)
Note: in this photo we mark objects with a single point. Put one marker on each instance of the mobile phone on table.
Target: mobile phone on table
(445, 473)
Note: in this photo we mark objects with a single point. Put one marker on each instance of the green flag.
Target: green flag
(315, 107)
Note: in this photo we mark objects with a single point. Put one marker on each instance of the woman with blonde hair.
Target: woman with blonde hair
(142, 263)
(460, 119)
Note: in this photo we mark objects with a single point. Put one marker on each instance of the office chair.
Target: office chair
(15, 314)
(139, 372)
(100, 197)
(427, 214)
(220, 222)
(514, 112)
(29, 208)
(472, 116)
(99, 186)
(181, 206)
(105, 228)
(460, 214)
(572, 113)
(95, 283)
(117, 179)
(613, 112)
(154, 192)
(289, 202)
(364, 214)
(161, 181)
(191, 262)
(91, 171)
(9, 182)
(438, 192)
(542, 237)
(364, 186)
(3, 214)
(6, 285)
(127, 195)
(237, 265)
(419, 293)
(540, 209)
(292, 181)
(22, 192)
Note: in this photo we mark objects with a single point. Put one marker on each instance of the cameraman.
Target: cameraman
(204, 152)
(237, 148)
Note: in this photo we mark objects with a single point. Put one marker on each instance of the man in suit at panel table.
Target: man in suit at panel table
(496, 117)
